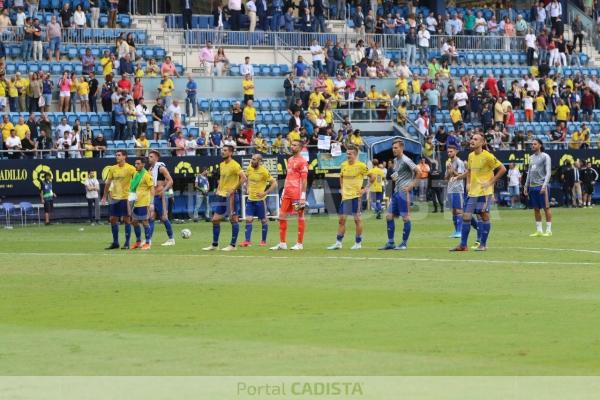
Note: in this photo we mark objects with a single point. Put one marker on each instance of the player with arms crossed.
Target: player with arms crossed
(405, 179)
(293, 197)
(481, 179)
(117, 182)
(162, 183)
(258, 179)
(536, 187)
(456, 189)
(352, 176)
(227, 199)
(376, 191)
(141, 193)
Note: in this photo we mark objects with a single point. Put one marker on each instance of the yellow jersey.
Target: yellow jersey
(107, 66)
(230, 177)
(83, 88)
(249, 114)
(562, 113)
(353, 176)
(379, 174)
(167, 87)
(248, 86)
(315, 98)
(401, 84)
(144, 191)
(416, 86)
(139, 73)
(6, 128)
(481, 169)
(372, 96)
(121, 179)
(12, 90)
(455, 115)
(329, 86)
(258, 179)
(21, 130)
(540, 103)
(2, 89)
(293, 135)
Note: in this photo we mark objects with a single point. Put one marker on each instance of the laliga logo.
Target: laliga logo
(565, 158)
(184, 168)
(105, 172)
(37, 173)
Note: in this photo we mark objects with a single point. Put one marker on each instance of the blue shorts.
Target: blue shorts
(223, 205)
(400, 204)
(477, 204)
(118, 208)
(513, 190)
(537, 199)
(54, 44)
(350, 207)
(256, 208)
(456, 201)
(140, 213)
(160, 202)
(376, 196)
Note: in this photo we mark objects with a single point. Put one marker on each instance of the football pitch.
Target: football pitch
(527, 306)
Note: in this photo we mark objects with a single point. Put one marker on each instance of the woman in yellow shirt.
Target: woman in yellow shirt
(385, 101)
(401, 116)
(139, 71)
(152, 68)
(83, 91)
(88, 148)
(13, 95)
(74, 84)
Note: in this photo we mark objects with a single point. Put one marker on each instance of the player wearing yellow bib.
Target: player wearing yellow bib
(260, 183)
(480, 175)
(118, 182)
(377, 174)
(352, 177)
(142, 185)
(227, 199)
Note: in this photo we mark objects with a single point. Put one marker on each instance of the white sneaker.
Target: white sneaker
(280, 246)
(210, 248)
(357, 246)
(170, 242)
(335, 246)
(229, 248)
(297, 246)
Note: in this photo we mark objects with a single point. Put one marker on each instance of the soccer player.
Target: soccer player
(536, 187)
(293, 197)
(163, 182)
(117, 182)
(258, 179)
(405, 177)
(141, 193)
(228, 199)
(352, 175)
(456, 189)
(377, 181)
(481, 178)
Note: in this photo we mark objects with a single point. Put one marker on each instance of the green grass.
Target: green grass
(69, 308)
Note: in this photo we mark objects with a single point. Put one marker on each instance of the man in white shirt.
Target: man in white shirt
(190, 146)
(432, 23)
(403, 70)
(532, 85)
(251, 13)
(514, 183)
(423, 37)
(207, 58)
(317, 56)
(13, 143)
(235, 11)
(530, 40)
(62, 128)
(480, 24)
(246, 68)
(461, 98)
(540, 21)
(555, 9)
(140, 117)
(92, 187)
(173, 109)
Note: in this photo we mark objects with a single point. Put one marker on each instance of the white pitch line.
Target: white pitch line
(434, 260)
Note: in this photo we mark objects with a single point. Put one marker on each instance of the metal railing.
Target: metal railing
(303, 40)
(14, 34)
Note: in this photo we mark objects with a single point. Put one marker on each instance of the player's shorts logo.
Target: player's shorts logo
(184, 168)
(37, 174)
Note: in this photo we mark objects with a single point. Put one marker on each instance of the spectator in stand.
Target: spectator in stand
(95, 13)
(27, 45)
(142, 145)
(317, 56)
(247, 68)
(13, 145)
(249, 114)
(113, 13)
(125, 65)
(191, 89)
(261, 13)
(186, 10)
(120, 119)
(251, 14)
(235, 11)
(35, 89)
(64, 85)
(423, 38)
(44, 145)
(93, 92)
(207, 59)
(168, 67)
(166, 89)
(137, 90)
(248, 88)
(88, 62)
(80, 22)
(158, 111)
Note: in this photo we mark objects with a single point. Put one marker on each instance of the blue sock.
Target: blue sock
(138, 232)
(455, 222)
(148, 234)
(216, 233)
(265, 230)
(339, 237)
(406, 231)
(391, 230)
(464, 234)
(358, 239)
(378, 206)
(127, 234)
(459, 222)
(169, 229)
(479, 230)
(474, 223)
(248, 231)
(486, 227)
(115, 232)
(235, 230)
(151, 225)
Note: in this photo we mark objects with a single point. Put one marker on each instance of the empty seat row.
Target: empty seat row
(59, 68)
(263, 69)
